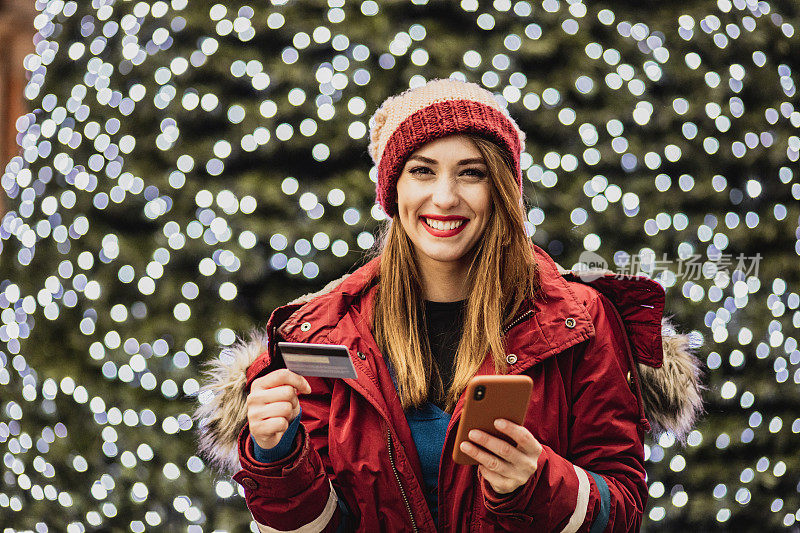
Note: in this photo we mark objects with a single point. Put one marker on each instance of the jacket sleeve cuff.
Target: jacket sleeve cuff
(559, 493)
(296, 473)
(291, 493)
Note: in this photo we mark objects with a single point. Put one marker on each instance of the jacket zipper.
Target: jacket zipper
(517, 320)
(397, 477)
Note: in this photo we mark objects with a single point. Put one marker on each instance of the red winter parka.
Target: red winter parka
(354, 446)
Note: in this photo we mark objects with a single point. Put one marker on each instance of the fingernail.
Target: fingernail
(500, 423)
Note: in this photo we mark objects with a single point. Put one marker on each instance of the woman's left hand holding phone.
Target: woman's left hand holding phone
(272, 404)
(504, 466)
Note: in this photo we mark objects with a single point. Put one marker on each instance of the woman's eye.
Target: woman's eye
(469, 172)
(475, 172)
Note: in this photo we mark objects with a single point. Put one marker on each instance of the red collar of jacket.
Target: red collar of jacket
(558, 316)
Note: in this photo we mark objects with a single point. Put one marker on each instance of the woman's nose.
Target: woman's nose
(445, 193)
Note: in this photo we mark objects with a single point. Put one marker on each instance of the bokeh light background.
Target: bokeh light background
(187, 167)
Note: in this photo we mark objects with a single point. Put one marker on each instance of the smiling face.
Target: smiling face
(444, 200)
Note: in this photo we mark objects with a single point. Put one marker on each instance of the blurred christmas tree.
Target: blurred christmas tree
(187, 168)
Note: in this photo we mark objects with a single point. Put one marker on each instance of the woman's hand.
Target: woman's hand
(272, 404)
(505, 467)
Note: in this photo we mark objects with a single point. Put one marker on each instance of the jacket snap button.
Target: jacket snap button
(511, 359)
(305, 326)
(361, 355)
(250, 483)
(570, 322)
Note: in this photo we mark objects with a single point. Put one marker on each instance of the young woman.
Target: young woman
(457, 290)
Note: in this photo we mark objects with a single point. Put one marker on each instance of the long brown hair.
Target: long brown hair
(502, 274)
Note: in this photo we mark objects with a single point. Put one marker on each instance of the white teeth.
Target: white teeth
(442, 225)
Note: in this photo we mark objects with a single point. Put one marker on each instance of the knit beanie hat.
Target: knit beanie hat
(439, 108)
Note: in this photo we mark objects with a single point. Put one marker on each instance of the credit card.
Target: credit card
(318, 360)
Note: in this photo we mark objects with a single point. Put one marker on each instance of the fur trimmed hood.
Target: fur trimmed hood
(671, 390)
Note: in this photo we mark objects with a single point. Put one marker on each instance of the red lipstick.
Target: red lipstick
(444, 218)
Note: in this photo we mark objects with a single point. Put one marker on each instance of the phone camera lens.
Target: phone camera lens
(480, 392)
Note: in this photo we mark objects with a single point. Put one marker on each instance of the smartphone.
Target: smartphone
(489, 398)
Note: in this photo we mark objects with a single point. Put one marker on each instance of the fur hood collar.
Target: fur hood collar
(669, 372)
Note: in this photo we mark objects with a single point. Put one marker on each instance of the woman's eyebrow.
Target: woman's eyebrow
(471, 161)
(423, 159)
(434, 162)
